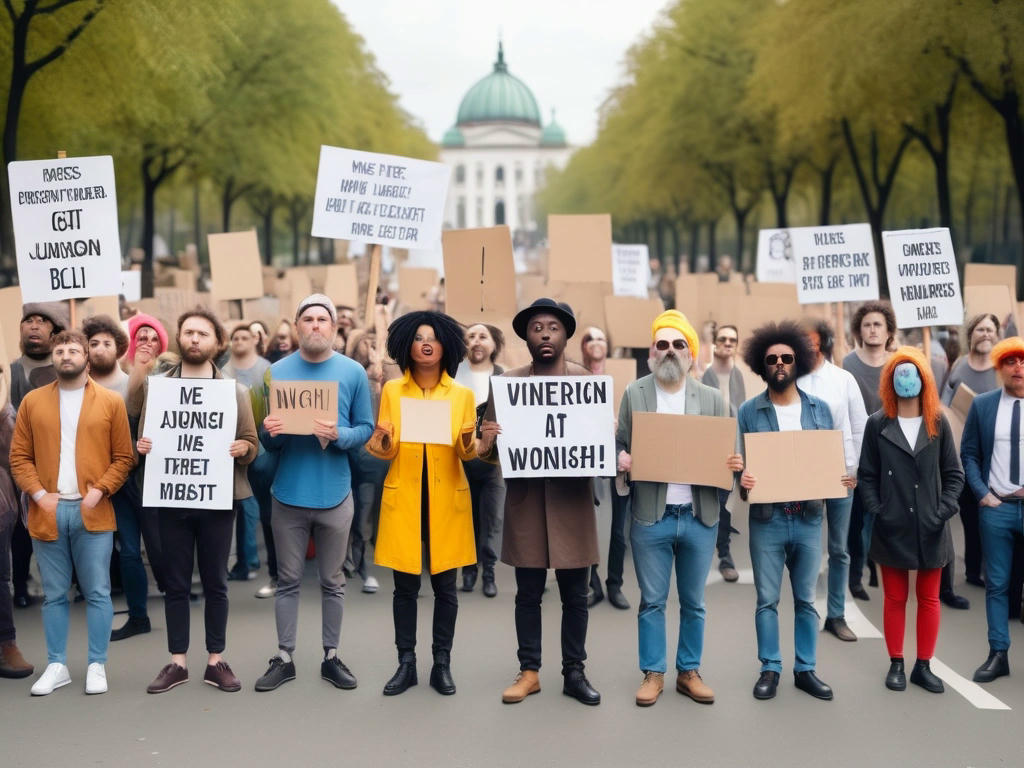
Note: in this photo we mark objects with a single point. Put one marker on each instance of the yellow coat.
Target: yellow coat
(451, 512)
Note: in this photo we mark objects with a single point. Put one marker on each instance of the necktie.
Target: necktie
(1015, 445)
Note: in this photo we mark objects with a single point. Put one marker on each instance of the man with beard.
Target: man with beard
(107, 344)
(672, 522)
(486, 488)
(549, 522)
(188, 534)
(312, 491)
(71, 452)
(784, 533)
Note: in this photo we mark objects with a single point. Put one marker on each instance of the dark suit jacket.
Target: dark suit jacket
(978, 440)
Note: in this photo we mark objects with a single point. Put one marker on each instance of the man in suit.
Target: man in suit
(672, 522)
(991, 454)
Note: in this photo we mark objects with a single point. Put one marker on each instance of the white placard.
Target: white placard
(555, 426)
(924, 284)
(835, 263)
(631, 270)
(192, 425)
(374, 198)
(65, 228)
(775, 261)
(131, 284)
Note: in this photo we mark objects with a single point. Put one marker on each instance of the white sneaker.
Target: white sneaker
(371, 585)
(267, 590)
(53, 677)
(96, 678)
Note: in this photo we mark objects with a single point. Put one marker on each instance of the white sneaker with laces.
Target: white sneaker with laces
(54, 676)
(267, 590)
(371, 585)
(96, 679)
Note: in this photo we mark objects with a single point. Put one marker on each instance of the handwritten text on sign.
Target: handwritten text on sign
(834, 263)
(192, 425)
(924, 285)
(555, 426)
(299, 403)
(386, 199)
(65, 228)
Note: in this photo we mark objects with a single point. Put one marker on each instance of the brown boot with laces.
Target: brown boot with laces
(650, 688)
(689, 683)
(527, 682)
(12, 663)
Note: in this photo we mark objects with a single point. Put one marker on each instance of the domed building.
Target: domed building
(499, 152)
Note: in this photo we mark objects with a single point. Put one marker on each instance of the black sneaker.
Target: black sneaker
(277, 673)
(337, 674)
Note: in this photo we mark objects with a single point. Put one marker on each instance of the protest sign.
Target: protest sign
(678, 448)
(299, 403)
(341, 285)
(425, 421)
(5, 361)
(131, 284)
(623, 373)
(580, 248)
(235, 269)
(629, 319)
(585, 299)
(10, 318)
(192, 425)
(956, 412)
(479, 273)
(924, 287)
(775, 258)
(992, 274)
(555, 426)
(98, 305)
(65, 227)
(417, 287)
(631, 270)
(696, 296)
(796, 466)
(530, 288)
(375, 198)
(835, 263)
(990, 299)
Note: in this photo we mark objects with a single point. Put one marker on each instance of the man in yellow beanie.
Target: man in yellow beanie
(672, 522)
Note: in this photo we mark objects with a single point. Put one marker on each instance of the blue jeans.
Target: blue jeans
(89, 554)
(999, 528)
(247, 522)
(795, 542)
(681, 538)
(136, 524)
(838, 512)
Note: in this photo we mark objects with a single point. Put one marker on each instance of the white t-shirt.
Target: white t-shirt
(788, 416)
(67, 473)
(911, 429)
(674, 402)
(999, 470)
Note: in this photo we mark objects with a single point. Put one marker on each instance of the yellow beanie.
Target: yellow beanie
(673, 318)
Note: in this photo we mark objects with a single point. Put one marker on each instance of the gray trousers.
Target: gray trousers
(329, 528)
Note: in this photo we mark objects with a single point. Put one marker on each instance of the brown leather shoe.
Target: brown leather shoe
(527, 682)
(689, 683)
(170, 676)
(840, 629)
(650, 688)
(12, 663)
(219, 675)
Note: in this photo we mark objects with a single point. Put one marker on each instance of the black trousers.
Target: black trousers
(187, 535)
(972, 534)
(572, 588)
(446, 609)
(21, 557)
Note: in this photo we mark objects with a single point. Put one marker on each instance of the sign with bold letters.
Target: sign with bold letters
(924, 284)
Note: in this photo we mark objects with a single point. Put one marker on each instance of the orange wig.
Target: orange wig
(930, 407)
(1011, 347)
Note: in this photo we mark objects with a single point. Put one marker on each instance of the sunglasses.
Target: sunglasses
(1013, 362)
(726, 340)
(786, 359)
(678, 344)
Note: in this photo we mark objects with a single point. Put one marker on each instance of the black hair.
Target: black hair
(449, 333)
(105, 324)
(826, 336)
(787, 332)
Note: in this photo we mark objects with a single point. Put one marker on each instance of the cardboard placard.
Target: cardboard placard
(924, 285)
(529, 289)
(988, 299)
(835, 263)
(185, 279)
(98, 305)
(631, 270)
(580, 248)
(586, 301)
(235, 268)
(5, 360)
(992, 274)
(804, 465)
(962, 399)
(775, 258)
(10, 319)
(417, 287)
(299, 403)
(426, 421)
(131, 284)
(341, 285)
(629, 319)
(479, 271)
(696, 296)
(682, 448)
(623, 373)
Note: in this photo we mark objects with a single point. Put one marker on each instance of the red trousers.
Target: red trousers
(896, 585)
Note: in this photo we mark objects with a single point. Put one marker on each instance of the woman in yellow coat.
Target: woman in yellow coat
(426, 496)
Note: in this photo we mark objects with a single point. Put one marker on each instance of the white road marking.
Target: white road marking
(970, 690)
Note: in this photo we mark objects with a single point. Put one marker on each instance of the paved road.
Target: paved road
(307, 722)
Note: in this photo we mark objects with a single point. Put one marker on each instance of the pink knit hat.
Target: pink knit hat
(138, 321)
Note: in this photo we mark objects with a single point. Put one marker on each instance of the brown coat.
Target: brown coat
(549, 521)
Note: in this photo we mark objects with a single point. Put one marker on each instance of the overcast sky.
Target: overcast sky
(569, 52)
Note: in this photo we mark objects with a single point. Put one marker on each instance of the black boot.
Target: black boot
(468, 578)
(872, 574)
(441, 674)
(596, 594)
(404, 677)
(134, 626)
(996, 665)
(616, 598)
(896, 680)
(490, 588)
(576, 685)
(924, 677)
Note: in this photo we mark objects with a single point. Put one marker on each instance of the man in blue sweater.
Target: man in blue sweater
(312, 490)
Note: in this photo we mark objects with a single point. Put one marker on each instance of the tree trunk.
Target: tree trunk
(659, 238)
(712, 245)
(197, 228)
(827, 174)
(694, 244)
(148, 231)
(677, 247)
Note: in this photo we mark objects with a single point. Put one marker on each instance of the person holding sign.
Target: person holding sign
(784, 533)
(672, 522)
(991, 453)
(549, 522)
(192, 533)
(426, 501)
(911, 480)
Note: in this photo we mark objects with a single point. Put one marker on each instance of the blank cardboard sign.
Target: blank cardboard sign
(416, 285)
(696, 296)
(298, 403)
(993, 299)
(580, 248)
(992, 274)
(341, 285)
(623, 373)
(235, 269)
(629, 319)
(426, 421)
(796, 466)
(678, 448)
(479, 273)
(10, 319)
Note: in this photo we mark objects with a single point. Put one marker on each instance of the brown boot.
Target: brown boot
(650, 688)
(526, 683)
(12, 663)
(690, 684)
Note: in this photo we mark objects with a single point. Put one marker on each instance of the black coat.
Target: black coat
(912, 493)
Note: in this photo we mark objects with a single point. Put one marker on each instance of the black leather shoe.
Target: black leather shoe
(996, 665)
(404, 677)
(616, 598)
(22, 601)
(808, 682)
(872, 574)
(468, 579)
(278, 673)
(441, 674)
(896, 680)
(134, 626)
(953, 600)
(975, 580)
(858, 591)
(838, 627)
(337, 674)
(594, 596)
(923, 676)
(576, 685)
(490, 589)
(767, 685)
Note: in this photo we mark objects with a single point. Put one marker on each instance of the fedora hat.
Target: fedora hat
(561, 310)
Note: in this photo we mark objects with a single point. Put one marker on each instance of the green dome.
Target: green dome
(499, 97)
(553, 134)
(453, 138)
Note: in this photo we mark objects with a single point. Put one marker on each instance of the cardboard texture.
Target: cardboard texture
(752, 314)
(962, 399)
(98, 305)
(267, 309)
(994, 299)
(185, 279)
(270, 277)
(696, 296)
(956, 424)
(341, 284)
(416, 286)
(514, 353)
(623, 373)
(235, 269)
(529, 288)
(580, 248)
(426, 421)
(10, 319)
(796, 466)
(992, 274)
(677, 448)
(479, 269)
(298, 403)
(372, 285)
(5, 361)
(587, 302)
(629, 319)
